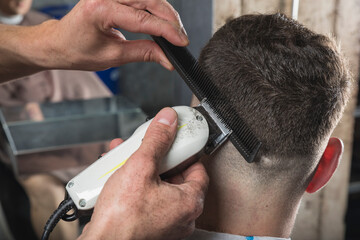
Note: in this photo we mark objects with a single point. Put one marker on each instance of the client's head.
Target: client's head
(290, 86)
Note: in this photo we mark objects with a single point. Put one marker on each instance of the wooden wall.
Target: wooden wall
(321, 215)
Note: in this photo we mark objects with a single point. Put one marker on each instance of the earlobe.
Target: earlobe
(327, 165)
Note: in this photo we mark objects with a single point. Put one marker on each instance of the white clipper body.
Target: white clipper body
(192, 135)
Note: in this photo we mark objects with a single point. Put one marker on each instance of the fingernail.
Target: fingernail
(167, 65)
(184, 31)
(167, 116)
(184, 36)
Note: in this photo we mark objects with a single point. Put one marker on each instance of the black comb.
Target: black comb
(203, 88)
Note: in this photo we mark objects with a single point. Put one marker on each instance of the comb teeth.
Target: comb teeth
(202, 87)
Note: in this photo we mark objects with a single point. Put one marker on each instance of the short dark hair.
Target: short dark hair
(289, 84)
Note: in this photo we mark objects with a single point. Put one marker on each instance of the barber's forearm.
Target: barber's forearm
(25, 50)
(87, 38)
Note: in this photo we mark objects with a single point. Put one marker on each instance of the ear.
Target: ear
(327, 165)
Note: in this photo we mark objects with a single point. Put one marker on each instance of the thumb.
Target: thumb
(157, 141)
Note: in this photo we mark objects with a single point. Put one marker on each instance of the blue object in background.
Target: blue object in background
(110, 77)
(57, 11)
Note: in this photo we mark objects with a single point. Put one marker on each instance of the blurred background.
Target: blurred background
(142, 89)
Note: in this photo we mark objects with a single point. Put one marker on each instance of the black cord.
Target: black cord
(63, 208)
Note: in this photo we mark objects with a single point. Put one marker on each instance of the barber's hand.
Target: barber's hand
(86, 37)
(136, 204)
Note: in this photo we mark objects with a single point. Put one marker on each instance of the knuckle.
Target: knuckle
(91, 6)
(195, 203)
(148, 55)
(196, 189)
(142, 17)
(197, 207)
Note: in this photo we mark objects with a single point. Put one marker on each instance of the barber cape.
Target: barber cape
(205, 235)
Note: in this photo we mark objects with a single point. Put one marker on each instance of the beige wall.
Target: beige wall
(321, 215)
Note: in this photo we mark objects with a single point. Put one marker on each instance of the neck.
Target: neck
(229, 208)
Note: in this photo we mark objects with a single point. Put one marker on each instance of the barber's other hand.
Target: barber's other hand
(136, 204)
(87, 39)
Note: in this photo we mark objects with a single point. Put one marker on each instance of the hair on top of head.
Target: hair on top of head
(289, 84)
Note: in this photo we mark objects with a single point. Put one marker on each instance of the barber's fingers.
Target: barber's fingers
(196, 177)
(156, 143)
(135, 20)
(196, 173)
(144, 51)
(159, 8)
(191, 193)
(196, 183)
(115, 142)
(179, 178)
